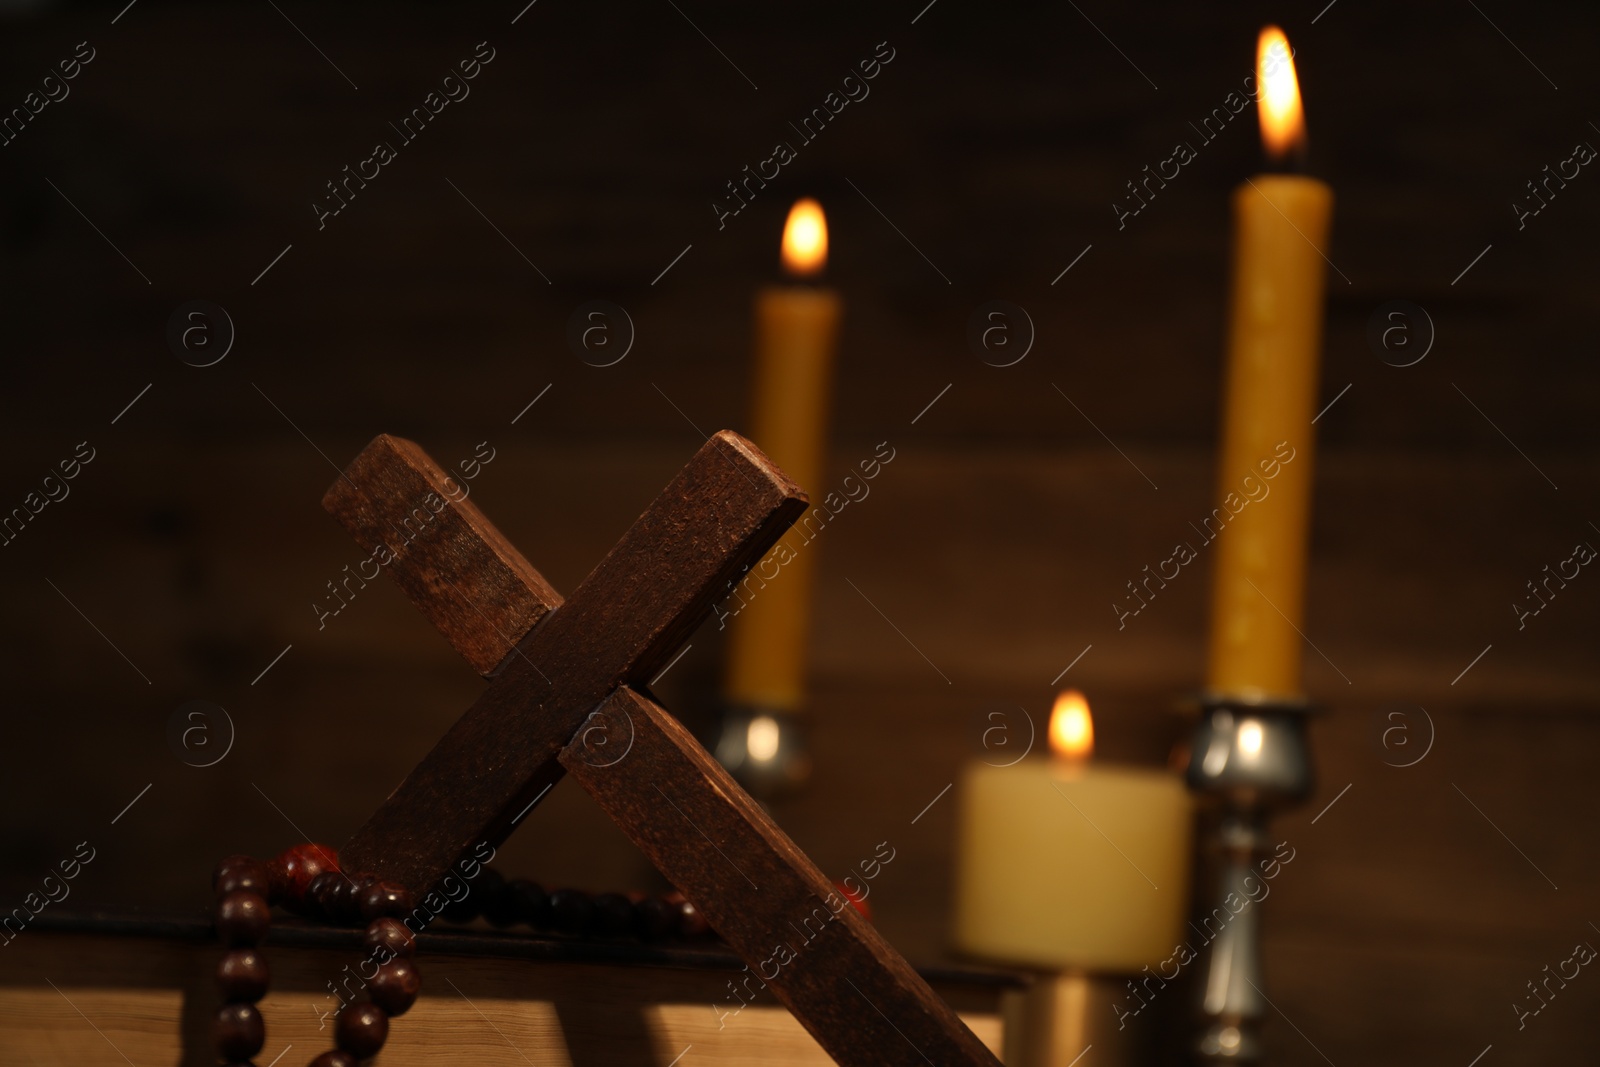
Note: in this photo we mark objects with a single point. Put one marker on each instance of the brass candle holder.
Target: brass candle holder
(1247, 761)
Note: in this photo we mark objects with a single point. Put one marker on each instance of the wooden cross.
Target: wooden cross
(566, 695)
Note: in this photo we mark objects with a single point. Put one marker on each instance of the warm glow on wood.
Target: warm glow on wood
(1071, 729)
(805, 239)
(1283, 124)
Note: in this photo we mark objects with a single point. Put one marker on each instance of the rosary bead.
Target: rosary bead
(385, 900)
(294, 869)
(307, 879)
(691, 920)
(613, 914)
(242, 919)
(342, 902)
(245, 880)
(395, 987)
(241, 872)
(532, 903)
(239, 1032)
(654, 919)
(571, 911)
(321, 892)
(362, 1030)
(391, 935)
(499, 903)
(228, 863)
(242, 976)
(857, 901)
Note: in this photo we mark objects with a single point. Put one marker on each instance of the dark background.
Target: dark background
(996, 141)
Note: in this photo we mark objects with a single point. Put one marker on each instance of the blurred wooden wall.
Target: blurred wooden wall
(996, 141)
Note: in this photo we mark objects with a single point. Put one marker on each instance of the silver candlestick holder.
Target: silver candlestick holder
(765, 749)
(1247, 761)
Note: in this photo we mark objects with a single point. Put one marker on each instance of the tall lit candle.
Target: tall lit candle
(1281, 225)
(796, 328)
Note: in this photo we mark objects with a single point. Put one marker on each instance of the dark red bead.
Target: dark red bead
(294, 869)
(654, 919)
(241, 872)
(571, 911)
(389, 938)
(345, 901)
(242, 976)
(395, 987)
(613, 914)
(386, 900)
(856, 900)
(532, 903)
(239, 1032)
(243, 919)
(227, 863)
(362, 1030)
(692, 921)
(499, 903)
(245, 881)
(334, 1058)
(320, 893)
(340, 902)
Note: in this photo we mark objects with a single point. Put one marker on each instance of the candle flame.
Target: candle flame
(1283, 123)
(805, 239)
(1071, 729)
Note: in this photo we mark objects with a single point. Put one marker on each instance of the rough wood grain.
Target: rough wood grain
(624, 621)
(426, 534)
(796, 933)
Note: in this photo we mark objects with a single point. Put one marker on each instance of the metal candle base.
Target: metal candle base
(1059, 1015)
(1249, 760)
(766, 750)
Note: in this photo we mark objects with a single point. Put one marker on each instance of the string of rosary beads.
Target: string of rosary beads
(307, 880)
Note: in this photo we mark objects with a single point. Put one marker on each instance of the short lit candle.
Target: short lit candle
(1280, 228)
(1068, 864)
(797, 328)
